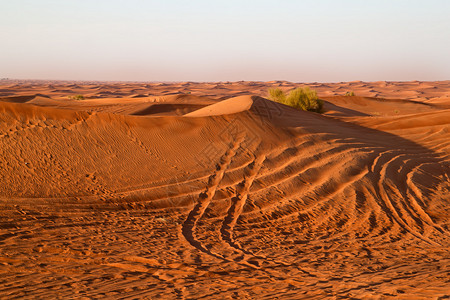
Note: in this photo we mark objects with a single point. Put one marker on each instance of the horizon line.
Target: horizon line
(219, 81)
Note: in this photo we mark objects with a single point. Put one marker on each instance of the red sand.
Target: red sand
(162, 191)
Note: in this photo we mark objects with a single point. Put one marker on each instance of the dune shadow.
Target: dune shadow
(21, 99)
(342, 111)
(176, 109)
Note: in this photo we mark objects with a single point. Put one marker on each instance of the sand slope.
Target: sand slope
(188, 197)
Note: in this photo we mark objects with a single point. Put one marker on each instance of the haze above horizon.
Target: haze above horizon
(174, 40)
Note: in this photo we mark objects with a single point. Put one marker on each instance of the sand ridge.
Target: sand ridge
(209, 190)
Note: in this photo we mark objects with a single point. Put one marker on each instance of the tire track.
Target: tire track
(288, 205)
(382, 187)
(189, 226)
(238, 203)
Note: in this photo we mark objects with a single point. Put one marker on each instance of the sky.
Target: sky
(200, 40)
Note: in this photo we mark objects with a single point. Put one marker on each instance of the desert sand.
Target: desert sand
(211, 191)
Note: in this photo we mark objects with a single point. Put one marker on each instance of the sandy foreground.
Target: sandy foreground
(210, 191)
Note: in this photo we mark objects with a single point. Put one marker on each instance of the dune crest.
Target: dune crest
(229, 106)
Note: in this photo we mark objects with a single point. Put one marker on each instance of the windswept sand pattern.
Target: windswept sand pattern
(161, 195)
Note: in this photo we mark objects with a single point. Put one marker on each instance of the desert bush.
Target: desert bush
(277, 95)
(77, 97)
(351, 93)
(300, 98)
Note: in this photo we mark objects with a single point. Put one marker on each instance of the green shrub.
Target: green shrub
(77, 97)
(350, 93)
(300, 98)
(277, 95)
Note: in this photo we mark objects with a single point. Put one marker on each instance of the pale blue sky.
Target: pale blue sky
(200, 40)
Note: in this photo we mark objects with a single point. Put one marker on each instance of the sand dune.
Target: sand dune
(191, 197)
(413, 90)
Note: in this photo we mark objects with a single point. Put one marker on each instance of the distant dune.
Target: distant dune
(211, 191)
